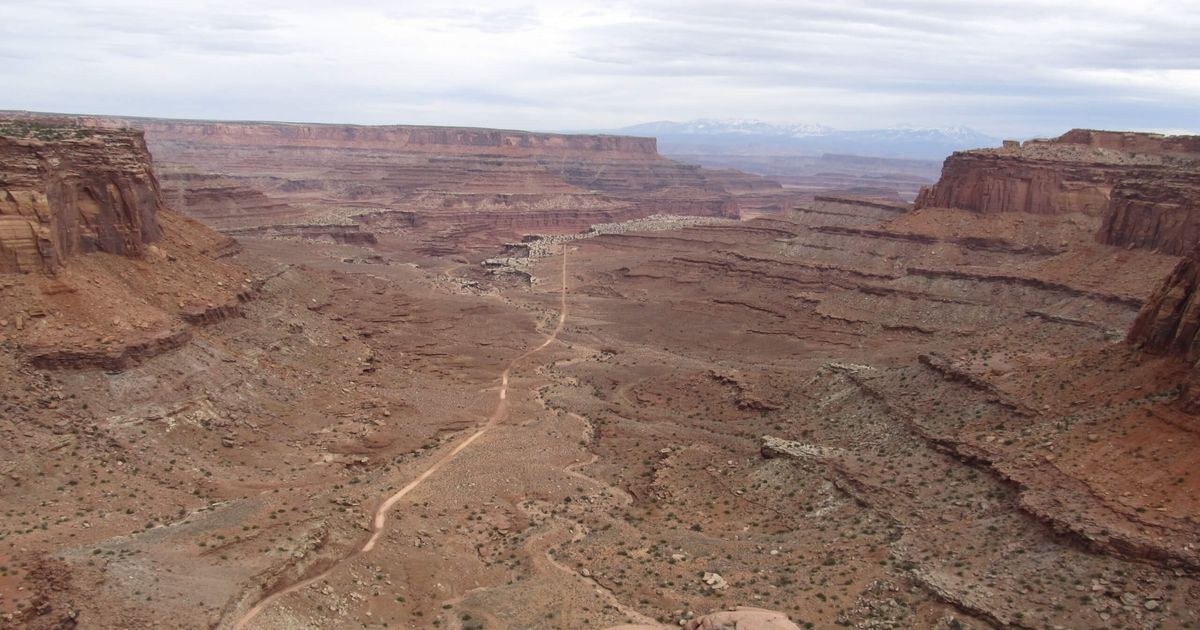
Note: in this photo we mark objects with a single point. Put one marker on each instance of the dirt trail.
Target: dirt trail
(381, 513)
(540, 554)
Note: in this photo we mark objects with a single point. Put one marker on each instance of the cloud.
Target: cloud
(1009, 67)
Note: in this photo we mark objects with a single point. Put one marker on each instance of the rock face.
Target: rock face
(1169, 323)
(1155, 213)
(66, 191)
(206, 195)
(1130, 142)
(409, 138)
(1141, 186)
(1005, 180)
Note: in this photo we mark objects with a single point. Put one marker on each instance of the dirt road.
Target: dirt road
(381, 513)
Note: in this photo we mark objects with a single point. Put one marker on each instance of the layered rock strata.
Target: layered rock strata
(1169, 322)
(70, 191)
(95, 271)
(214, 196)
(1155, 213)
(412, 138)
(1143, 187)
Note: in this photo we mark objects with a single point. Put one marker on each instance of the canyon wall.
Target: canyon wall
(205, 195)
(65, 192)
(1155, 213)
(1003, 180)
(69, 194)
(1129, 142)
(1169, 322)
(1140, 188)
(407, 138)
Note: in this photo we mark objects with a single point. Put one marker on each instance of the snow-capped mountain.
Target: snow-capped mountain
(708, 126)
(752, 137)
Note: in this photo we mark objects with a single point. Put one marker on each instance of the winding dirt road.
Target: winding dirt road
(381, 513)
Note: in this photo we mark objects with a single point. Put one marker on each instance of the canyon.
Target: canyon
(454, 189)
(319, 376)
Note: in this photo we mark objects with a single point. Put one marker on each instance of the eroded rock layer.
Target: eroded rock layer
(1155, 213)
(236, 203)
(1169, 323)
(66, 191)
(1142, 186)
(149, 275)
(422, 139)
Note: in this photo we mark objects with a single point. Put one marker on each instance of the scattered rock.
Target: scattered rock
(715, 581)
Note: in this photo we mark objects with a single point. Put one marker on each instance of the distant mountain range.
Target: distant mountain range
(752, 137)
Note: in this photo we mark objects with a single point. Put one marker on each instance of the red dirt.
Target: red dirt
(848, 413)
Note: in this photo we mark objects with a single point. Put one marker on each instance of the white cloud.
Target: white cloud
(1009, 67)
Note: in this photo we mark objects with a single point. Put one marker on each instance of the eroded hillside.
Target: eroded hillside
(848, 412)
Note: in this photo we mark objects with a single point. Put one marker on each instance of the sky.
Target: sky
(1005, 67)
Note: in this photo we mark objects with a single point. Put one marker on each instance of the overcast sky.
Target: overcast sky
(1007, 67)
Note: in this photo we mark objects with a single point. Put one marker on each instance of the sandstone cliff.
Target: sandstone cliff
(66, 191)
(1160, 213)
(411, 138)
(1140, 188)
(994, 181)
(1130, 142)
(1169, 322)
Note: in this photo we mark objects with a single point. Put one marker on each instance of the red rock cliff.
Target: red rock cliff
(1169, 322)
(1130, 142)
(1004, 180)
(66, 191)
(1143, 187)
(1160, 213)
(409, 138)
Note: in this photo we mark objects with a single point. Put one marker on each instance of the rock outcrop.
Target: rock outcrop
(1129, 142)
(66, 191)
(1169, 322)
(410, 138)
(113, 357)
(1143, 187)
(234, 203)
(1160, 213)
(1009, 180)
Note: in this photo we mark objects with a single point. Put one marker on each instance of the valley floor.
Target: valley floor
(826, 413)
